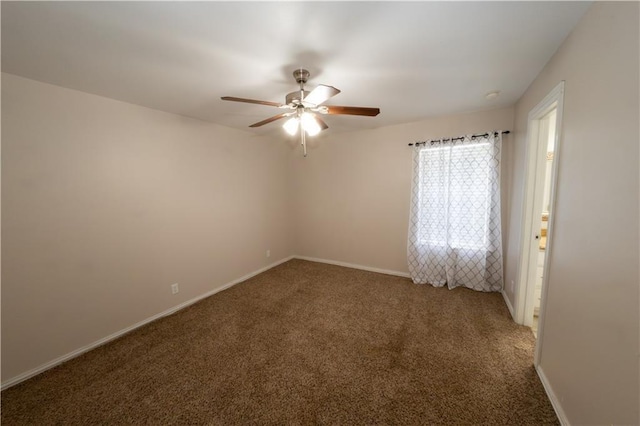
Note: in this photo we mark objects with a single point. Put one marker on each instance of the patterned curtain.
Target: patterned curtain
(454, 228)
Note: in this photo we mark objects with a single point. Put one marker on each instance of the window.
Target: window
(454, 230)
(454, 195)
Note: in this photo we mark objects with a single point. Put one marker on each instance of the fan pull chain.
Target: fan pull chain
(303, 138)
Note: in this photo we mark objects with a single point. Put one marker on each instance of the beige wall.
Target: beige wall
(590, 343)
(105, 204)
(351, 194)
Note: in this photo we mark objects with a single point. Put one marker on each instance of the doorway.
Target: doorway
(546, 141)
(541, 175)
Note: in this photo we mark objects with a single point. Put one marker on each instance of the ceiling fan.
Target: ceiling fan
(303, 108)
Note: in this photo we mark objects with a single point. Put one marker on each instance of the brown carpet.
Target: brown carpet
(304, 343)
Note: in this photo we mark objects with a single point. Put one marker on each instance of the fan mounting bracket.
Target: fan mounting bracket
(301, 75)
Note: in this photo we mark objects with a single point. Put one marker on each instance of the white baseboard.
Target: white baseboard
(555, 402)
(509, 305)
(44, 367)
(354, 266)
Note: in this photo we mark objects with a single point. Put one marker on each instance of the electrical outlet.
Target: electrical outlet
(268, 253)
(174, 288)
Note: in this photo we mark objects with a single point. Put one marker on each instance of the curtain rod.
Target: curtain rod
(506, 132)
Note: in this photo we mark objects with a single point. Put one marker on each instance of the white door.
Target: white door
(542, 164)
(541, 211)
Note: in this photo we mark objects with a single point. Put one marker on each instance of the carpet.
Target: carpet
(304, 343)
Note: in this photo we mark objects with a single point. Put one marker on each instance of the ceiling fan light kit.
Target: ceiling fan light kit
(291, 126)
(306, 121)
(304, 107)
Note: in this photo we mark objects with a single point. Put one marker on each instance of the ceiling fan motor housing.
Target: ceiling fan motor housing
(294, 97)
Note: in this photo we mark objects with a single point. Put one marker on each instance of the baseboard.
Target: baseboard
(509, 305)
(552, 397)
(354, 266)
(44, 367)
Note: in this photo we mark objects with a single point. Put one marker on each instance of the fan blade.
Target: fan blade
(270, 119)
(347, 110)
(250, 101)
(321, 122)
(321, 94)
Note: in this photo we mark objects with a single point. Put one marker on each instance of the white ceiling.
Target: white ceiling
(412, 60)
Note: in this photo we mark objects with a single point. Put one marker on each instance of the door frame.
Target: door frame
(532, 203)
